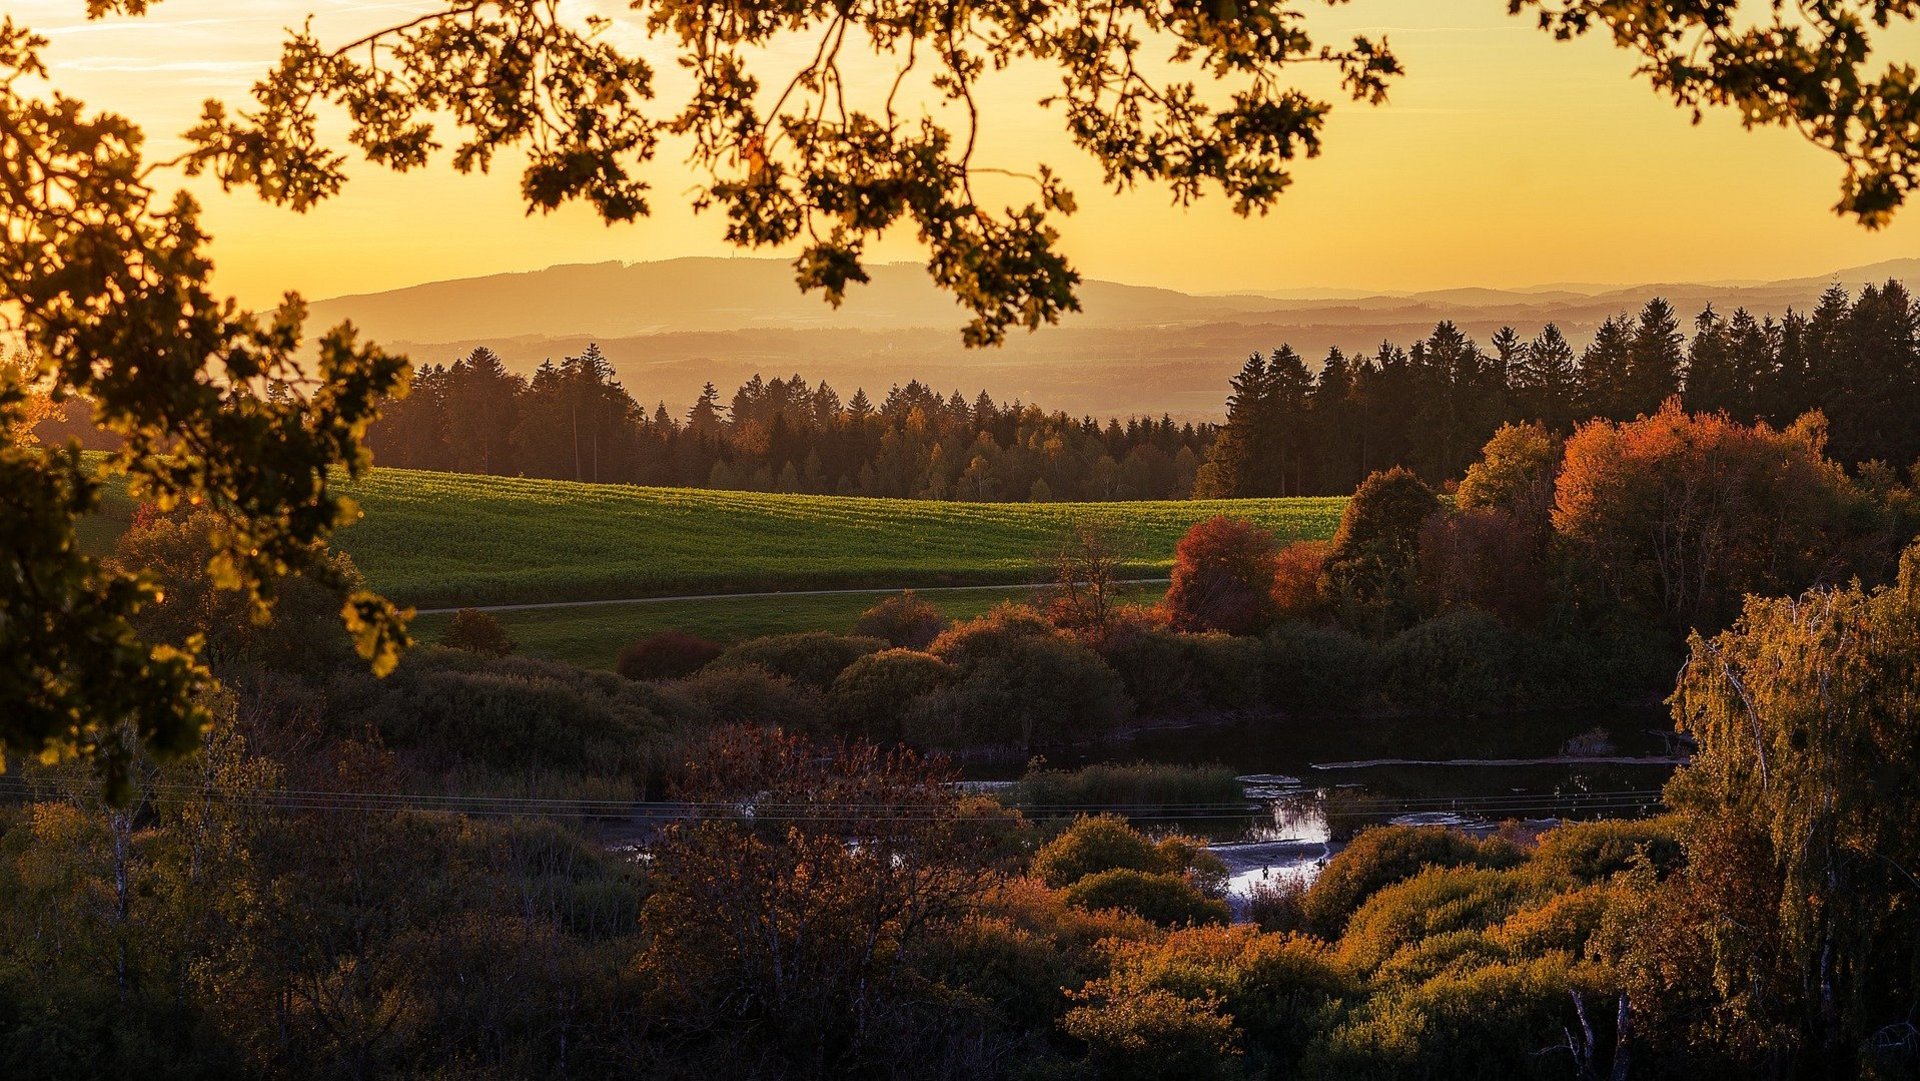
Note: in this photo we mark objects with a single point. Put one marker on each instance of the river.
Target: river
(1312, 783)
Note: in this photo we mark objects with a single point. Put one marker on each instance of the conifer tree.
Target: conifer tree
(1605, 389)
(1654, 359)
(1546, 381)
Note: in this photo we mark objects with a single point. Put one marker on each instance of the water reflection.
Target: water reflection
(1312, 783)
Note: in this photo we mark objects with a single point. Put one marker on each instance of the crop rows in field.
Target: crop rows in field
(444, 539)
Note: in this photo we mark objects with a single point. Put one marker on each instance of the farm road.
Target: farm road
(528, 607)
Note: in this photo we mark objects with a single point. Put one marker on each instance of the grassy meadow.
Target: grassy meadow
(442, 540)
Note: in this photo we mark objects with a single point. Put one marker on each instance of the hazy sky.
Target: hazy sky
(1504, 158)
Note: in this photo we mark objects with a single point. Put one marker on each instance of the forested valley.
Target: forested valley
(1541, 708)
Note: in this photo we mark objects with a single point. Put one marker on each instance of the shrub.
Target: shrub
(1432, 902)
(1153, 665)
(1281, 990)
(1222, 578)
(1166, 899)
(1475, 1020)
(1151, 1034)
(1091, 845)
(1372, 574)
(1225, 670)
(477, 632)
(1297, 571)
(668, 654)
(1564, 921)
(904, 621)
(1019, 685)
(1460, 662)
(1313, 669)
(1003, 962)
(1100, 843)
(1167, 673)
(872, 696)
(1382, 856)
(445, 708)
(976, 639)
(751, 695)
(1595, 851)
(811, 659)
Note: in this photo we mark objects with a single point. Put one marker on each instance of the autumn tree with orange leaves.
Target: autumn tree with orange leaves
(1682, 514)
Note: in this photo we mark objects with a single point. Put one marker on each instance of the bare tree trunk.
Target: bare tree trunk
(1622, 1035)
(120, 824)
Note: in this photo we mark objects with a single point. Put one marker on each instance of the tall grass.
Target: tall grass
(1136, 789)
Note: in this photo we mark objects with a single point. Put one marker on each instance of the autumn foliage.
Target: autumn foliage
(1297, 571)
(1682, 514)
(1222, 578)
(903, 620)
(666, 654)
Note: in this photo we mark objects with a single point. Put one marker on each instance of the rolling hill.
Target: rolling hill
(444, 539)
(672, 325)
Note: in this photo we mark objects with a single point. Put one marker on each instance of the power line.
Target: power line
(1483, 806)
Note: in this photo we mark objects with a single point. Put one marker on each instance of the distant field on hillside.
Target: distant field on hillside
(443, 539)
(438, 540)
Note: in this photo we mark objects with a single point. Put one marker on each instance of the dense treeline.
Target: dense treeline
(573, 420)
(1429, 406)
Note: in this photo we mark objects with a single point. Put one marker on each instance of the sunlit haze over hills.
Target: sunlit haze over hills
(1503, 159)
(672, 325)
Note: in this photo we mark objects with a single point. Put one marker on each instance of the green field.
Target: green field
(592, 636)
(442, 540)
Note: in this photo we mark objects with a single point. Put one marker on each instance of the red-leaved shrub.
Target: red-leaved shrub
(1222, 578)
(666, 654)
(1296, 580)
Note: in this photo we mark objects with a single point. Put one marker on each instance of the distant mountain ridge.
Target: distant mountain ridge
(671, 325)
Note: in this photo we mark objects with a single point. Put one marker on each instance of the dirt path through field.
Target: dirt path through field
(749, 596)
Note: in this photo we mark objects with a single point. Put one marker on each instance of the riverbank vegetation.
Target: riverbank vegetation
(275, 907)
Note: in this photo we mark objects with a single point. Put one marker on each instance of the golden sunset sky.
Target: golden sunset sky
(1504, 158)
